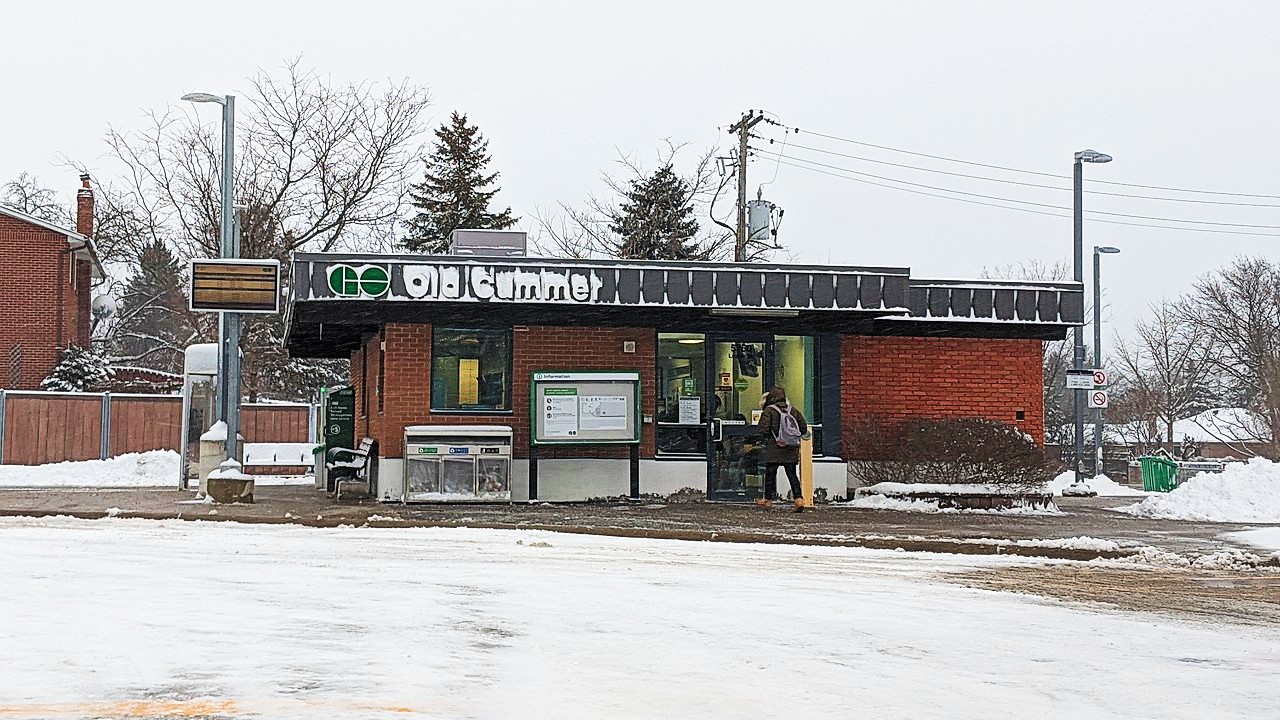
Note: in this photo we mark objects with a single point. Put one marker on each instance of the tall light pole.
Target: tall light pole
(228, 390)
(1084, 156)
(1098, 252)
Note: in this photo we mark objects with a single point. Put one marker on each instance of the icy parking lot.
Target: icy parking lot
(141, 618)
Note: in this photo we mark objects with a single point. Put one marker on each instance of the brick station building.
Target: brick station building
(48, 273)
(452, 340)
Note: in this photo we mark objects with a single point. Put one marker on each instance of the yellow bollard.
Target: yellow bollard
(806, 470)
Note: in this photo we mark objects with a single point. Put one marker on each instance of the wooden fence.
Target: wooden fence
(43, 427)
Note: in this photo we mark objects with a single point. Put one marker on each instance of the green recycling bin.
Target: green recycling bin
(1158, 474)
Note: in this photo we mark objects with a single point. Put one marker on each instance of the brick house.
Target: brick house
(457, 341)
(48, 274)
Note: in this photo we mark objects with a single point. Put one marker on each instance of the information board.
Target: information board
(585, 407)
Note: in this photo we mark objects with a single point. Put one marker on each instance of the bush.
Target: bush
(959, 451)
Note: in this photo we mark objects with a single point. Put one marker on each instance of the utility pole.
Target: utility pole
(743, 129)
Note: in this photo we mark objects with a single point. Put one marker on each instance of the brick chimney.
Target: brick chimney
(84, 207)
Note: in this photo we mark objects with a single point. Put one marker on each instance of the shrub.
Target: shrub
(958, 451)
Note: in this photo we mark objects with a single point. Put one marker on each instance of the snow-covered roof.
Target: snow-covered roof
(1216, 425)
(82, 244)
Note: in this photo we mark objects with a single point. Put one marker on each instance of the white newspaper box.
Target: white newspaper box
(457, 463)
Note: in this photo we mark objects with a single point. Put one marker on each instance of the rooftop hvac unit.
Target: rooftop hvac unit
(457, 463)
(488, 243)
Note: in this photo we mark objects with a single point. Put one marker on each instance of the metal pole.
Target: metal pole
(104, 450)
(2, 401)
(226, 249)
(1097, 357)
(228, 367)
(1078, 351)
(233, 364)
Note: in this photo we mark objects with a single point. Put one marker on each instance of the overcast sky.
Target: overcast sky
(1182, 94)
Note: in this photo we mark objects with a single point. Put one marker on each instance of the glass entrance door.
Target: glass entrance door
(739, 373)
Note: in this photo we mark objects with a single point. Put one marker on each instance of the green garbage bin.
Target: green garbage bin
(1158, 474)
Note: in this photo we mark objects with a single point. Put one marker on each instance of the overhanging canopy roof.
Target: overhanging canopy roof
(336, 299)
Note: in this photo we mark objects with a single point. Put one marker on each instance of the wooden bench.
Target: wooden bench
(347, 469)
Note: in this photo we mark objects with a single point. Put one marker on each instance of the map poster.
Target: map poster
(603, 412)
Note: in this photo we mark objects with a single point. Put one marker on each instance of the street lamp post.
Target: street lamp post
(1084, 156)
(1098, 252)
(228, 390)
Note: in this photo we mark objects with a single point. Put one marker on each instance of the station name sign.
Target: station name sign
(620, 283)
(465, 283)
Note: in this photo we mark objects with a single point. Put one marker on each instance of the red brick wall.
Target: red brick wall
(895, 378)
(407, 398)
(38, 299)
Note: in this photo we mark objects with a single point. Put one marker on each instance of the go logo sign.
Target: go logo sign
(366, 280)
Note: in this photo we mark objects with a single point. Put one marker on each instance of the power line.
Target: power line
(1022, 202)
(787, 142)
(1020, 170)
(1023, 209)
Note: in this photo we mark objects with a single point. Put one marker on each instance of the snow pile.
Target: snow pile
(1244, 492)
(1103, 485)
(880, 502)
(1230, 559)
(154, 468)
(1082, 542)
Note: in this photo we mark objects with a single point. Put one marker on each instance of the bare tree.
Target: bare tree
(320, 166)
(1237, 311)
(1164, 372)
(25, 194)
(584, 231)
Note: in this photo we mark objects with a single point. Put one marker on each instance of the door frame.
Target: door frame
(768, 379)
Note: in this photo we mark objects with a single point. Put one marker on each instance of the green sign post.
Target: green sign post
(340, 419)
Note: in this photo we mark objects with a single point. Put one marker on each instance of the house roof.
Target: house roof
(81, 244)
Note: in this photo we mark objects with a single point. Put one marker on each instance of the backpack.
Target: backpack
(788, 434)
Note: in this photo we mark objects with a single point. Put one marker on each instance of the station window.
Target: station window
(681, 366)
(471, 370)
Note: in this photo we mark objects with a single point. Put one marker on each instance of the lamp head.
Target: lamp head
(1106, 250)
(204, 98)
(1092, 156)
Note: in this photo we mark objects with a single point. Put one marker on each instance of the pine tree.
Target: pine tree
(152, 324)
(453, 195)
(656, 219)
(78, 370)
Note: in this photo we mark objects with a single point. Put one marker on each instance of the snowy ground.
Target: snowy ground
(1265, 539)
(136, 618)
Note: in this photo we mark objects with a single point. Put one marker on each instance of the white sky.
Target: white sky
(1179, 93)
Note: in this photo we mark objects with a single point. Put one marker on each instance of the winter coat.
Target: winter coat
(770, 423)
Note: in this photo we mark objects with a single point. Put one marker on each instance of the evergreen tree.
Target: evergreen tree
(153, 326)
(453, 195)
(655, 221)
(78, 370)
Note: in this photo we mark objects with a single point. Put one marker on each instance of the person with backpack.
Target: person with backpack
(781, 428)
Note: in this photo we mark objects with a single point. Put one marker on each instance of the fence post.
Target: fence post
(2, 397)
(312, 409)
(106, 425)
